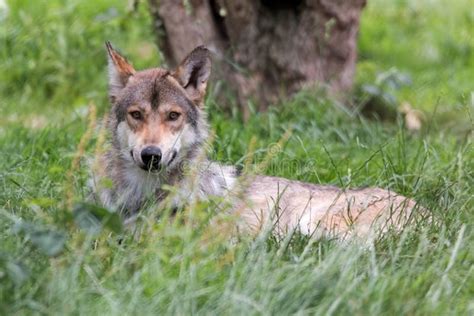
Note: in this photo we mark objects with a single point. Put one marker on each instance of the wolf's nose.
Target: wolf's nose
(151, 157)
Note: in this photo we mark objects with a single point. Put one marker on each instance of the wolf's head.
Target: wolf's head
(157, 114)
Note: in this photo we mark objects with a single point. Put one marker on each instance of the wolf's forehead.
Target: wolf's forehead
(154, 88)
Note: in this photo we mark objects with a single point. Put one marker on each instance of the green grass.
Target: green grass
(52, 66)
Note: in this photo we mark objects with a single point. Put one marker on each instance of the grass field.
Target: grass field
(53, 68)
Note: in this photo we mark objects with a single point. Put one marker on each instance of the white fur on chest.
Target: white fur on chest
(138, 185)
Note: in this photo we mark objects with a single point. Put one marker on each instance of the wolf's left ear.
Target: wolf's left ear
(120, 71)
(193, 73)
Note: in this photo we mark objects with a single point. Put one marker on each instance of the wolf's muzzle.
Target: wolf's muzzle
(151, 157)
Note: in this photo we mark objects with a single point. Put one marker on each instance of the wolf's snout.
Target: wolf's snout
(151, 157)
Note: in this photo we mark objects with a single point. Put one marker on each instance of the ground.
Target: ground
(53, 71)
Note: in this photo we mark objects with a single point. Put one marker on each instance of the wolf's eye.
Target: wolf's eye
(173, 116)
(137, 115)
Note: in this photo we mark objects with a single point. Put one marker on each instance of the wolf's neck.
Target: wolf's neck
(203, 179)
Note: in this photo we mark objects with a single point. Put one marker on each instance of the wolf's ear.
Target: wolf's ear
(193, 73)
(120, 70)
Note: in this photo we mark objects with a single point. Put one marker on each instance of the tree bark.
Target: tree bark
(265, 49)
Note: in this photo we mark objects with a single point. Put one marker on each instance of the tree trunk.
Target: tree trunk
(265, 49)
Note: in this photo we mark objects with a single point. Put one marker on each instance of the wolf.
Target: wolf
(157, 149)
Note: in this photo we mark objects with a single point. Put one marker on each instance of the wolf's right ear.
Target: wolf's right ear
(120, 71)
